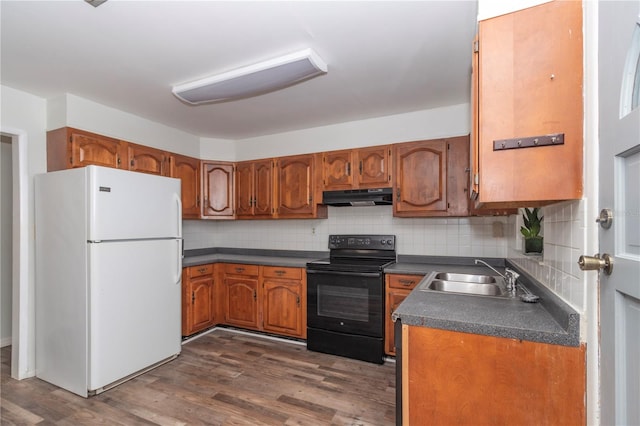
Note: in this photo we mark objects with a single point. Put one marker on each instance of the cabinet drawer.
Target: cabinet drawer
(240, 269)
(200, 270)
(403, 281)
(281, 272)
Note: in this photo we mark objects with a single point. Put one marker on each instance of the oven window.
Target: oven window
(343, 302)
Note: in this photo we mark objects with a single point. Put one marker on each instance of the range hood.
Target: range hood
(358, 197)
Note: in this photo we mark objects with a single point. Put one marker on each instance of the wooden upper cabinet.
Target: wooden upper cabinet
(529, 83)
(374, 167)
(70, 148)
(337, 169)
(420, 178)
(254, 189)
(217, 190)
(187, 169)
(148, 160)
(297, 192)
(357, 168)
(431, 178)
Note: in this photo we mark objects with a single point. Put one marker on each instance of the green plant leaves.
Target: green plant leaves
(532, 223)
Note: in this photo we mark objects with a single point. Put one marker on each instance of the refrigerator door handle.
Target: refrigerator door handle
(177, 278)
(178, 214)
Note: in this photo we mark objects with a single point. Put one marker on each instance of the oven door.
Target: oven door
(346, 302)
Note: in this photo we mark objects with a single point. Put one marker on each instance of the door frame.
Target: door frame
(22, 325)
(591, 200)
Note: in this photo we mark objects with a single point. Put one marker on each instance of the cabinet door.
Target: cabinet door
(374, 168)
(198, 299)
(398, 288)
(241, 301)
(147, 160)
(187, 169)
(217, 189)
(485, 376)
(88, 149)
(244, 188)
(420, 178)
(530, 84)
(295, 186)
(263, 188)
(337, 170)
(282, 307)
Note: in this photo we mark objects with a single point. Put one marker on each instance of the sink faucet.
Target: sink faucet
(510, 276)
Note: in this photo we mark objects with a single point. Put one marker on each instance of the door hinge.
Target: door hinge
(398, 194)
(476, 46)
(476, 179)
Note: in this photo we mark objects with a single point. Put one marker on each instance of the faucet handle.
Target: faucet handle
(511, 273)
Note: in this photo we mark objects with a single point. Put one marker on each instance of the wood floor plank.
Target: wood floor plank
(220, 378)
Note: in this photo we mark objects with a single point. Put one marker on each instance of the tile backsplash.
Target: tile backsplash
(563, 230)
(474, 236)
(564, 241)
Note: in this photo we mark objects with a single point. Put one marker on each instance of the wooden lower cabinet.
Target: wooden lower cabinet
(198, 298)
(265, 298)
(397, 288)
(240, 283)
(284, 305)
(468, 379)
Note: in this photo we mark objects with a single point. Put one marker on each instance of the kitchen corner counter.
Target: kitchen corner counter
(549, 321)
(285, 258)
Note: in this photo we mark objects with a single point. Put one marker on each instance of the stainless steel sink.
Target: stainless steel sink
(469, 284)
(465, 278)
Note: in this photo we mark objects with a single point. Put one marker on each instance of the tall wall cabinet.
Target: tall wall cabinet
(528, 80)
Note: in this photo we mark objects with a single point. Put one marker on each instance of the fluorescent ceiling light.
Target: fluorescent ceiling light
(254, 79)
(95, 3)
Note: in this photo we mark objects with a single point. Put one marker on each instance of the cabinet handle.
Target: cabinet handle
(132, 163)
(193, 297)
(298, 299)
(255, 295)
(348, 169)
(398, 194)
(201, 270)
(239, 269)
(360, 167)
(406, 282)
(119, 160)
(280, 272)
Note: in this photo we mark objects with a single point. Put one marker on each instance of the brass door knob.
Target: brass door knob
(596, 263)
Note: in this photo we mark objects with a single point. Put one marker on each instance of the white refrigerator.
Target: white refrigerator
(108, 276)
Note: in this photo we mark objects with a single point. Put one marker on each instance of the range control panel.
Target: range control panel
(362, 242)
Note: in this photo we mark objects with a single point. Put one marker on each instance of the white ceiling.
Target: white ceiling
(384, 57)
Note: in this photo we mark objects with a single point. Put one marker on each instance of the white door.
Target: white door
(619, 190)
(134, 307)
(127, 205)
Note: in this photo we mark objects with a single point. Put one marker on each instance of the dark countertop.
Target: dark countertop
(549, 321)
(290, 258)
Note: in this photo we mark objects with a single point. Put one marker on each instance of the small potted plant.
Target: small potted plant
(531, 231)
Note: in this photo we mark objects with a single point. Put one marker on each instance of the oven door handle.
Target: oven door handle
(351, 274)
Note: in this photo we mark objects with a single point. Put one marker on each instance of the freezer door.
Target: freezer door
(127, 205)
(134, 307)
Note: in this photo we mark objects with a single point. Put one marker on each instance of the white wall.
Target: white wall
(73, 111)
(492, 8)
(6, 239)
(427, 124)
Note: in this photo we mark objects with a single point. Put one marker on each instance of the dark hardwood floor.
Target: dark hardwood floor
(221, 378)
